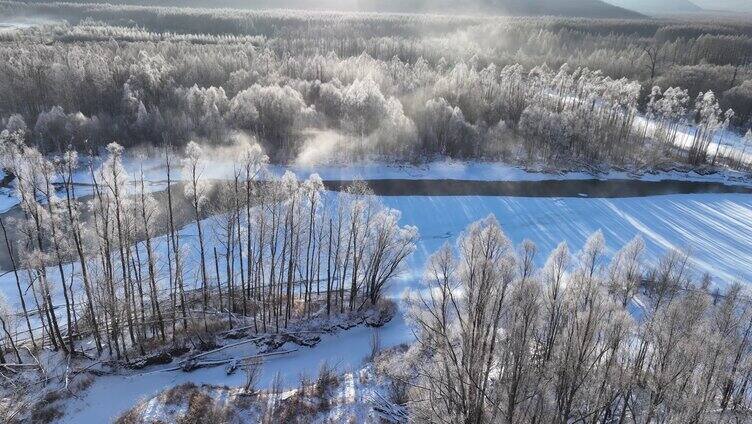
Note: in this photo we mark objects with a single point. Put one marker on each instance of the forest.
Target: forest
(406, 88)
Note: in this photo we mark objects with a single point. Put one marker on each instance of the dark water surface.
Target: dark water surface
(546, 188)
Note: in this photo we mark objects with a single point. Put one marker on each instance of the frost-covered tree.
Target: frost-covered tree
(196, 190)
(459, 320)
(710, 118)
(272, 112)
(747, 146)
(624, 274)
(150, 215)
(112, 205)
(207, 108)
(7, 316)
(389, 246)
(444, 128)
(33, 173)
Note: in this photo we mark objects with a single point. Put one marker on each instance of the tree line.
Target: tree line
(116, 268)
(405, 86)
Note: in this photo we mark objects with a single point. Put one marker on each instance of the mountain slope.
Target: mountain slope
(584, 8)
(658, 6)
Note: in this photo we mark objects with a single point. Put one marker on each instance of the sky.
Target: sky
(681, 6)
(731, 5)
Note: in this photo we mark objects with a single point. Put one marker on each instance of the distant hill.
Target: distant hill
(584, 8)
(580, 8)
(650, 7)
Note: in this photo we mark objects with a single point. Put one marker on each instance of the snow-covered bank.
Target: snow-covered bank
(6, 27)
(446, 169)
(223, 167)
(494, 171)
(356, 396)
(345, 351)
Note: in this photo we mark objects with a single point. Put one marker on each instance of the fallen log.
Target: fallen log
(209, 352)
(162, 358)
(193, 365)
(18, 365)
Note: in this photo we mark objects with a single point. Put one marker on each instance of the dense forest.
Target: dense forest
(406, 87)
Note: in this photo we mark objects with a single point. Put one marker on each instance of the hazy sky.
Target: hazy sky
(734, 5)
(656, 6)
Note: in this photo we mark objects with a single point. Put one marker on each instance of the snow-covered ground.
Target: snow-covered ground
(490, 171)
(111, 395)
(717, 229)
(349, 397)
(9, 24)
(725, 142)
(12, 26)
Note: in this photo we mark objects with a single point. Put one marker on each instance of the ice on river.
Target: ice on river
(715, 228)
